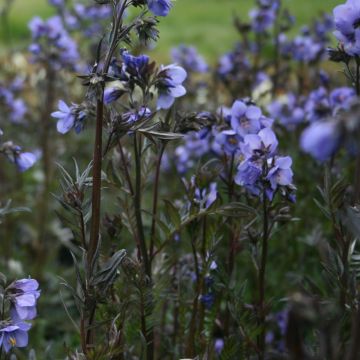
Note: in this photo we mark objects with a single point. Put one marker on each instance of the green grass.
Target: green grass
(204, 23)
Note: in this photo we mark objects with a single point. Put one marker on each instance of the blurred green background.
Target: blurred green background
(204, 23)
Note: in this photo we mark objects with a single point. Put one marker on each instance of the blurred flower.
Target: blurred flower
(288, 110)
(159, 7)
(306, 49)
(25, 160)
(262, 18)
(206, 197)
(321, 139)
(207, 300)
(347, 24)
(219, 346)
(52, 44)
(189, 59)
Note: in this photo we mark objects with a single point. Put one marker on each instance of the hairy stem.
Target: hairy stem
(155, 201)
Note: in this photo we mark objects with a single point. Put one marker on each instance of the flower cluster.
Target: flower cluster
(10, 103)
(288, 110)
(261, 171)
(189, 59)
(52, 44)
(263, 17)
(22, 296)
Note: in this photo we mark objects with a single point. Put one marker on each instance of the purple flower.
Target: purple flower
(305, 49)
(280, 173)
(219, 346)
(159, 7)
(52, 43)
(133, 116)
(321, 139)
(262, 19)
(248, 174)
(14, 335)
(169, 85)
(136, 66)
(25, 160)
(245, 119)
(347, 25)
(205, 197)
(113, 91)
(189, 59)
(57, 3)
(23, 296)
(66, 118)
(207, 300)
(227, 141)
(263, 144)
(287, 110)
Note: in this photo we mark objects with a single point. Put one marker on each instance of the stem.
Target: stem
(126, 170)
(155, 201)
(96, 187)
(137, 205)
(43, 204)
(190, 347)
(262, 272)
(354, 350)
(148, 335)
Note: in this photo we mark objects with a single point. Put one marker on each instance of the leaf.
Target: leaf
(160, 135)
(172, 213)
(107, 275)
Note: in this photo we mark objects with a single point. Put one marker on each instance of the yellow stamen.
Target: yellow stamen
(12, 341)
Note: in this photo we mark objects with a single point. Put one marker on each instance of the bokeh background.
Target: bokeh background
(204, 23)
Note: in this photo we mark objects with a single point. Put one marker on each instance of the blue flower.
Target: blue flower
(170, 79)
(66, 118)
(159, 7)
(321, 139)
(245, 119)
(263, 144)
(14, 335)
(25, 160)
(288, 110)
(347, 24)
(189, 59)
(228, 141)
(208, 300)
(262, 19)
(248, 174)
(205, 197)
(305, 49)
(280, 174)
(23, 296)
(136, 66)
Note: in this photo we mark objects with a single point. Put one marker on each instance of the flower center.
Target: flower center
(356, 23)
(12, 341)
